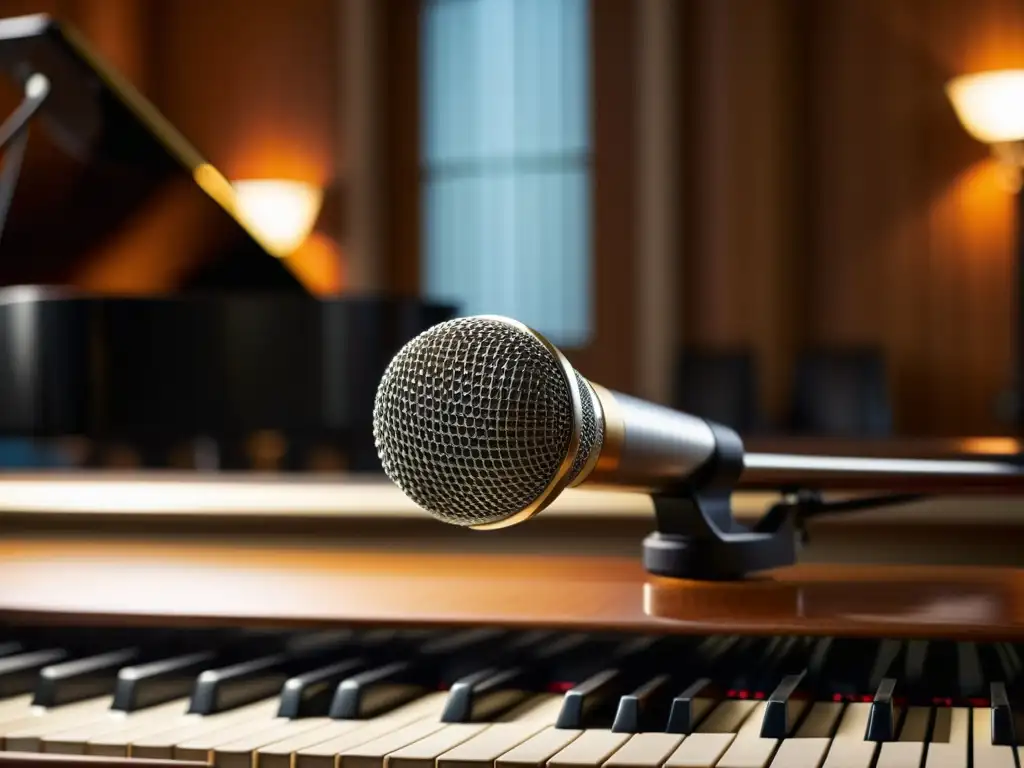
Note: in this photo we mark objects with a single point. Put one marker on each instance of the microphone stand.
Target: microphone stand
(698, 537)
(14, 139)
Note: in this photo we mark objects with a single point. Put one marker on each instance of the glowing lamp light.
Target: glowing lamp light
(990, 105)
(280, 213)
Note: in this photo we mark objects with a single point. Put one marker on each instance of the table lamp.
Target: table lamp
(990, 105)
(280, 212)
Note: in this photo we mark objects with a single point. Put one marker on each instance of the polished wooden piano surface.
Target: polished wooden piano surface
(256, 621)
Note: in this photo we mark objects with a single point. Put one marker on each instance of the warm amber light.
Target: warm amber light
(990, 104)
(280, 212)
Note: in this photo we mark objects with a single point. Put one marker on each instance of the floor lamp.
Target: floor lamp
(990, 105)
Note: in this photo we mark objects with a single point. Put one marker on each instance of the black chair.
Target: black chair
(842, 393)
(720, 385)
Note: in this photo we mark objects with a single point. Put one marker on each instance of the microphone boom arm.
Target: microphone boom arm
(698, 537)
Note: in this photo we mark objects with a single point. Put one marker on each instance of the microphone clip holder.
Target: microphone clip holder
(699, 538)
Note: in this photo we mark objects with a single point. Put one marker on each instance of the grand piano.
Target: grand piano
(138, 312)
(316, 621)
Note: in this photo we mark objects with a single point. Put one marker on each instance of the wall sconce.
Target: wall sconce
(280, 212)
(991, 107)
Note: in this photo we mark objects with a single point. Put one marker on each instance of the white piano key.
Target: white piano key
(800, 752)
(950, 736)
(700, 750)
(908, 750)
(727, 717)
(821, 721)
(373, 752)
(591, 748)
(350, 749)
(118, 742)
(202, 747)
(160, 745)
(748, 749)
(322, 744)
(986, 754)
(644, 750)
(239, 752)
(424, 752)
(483, 749)
(73, 741)
(809, 745)
(27, 735)
(538, 749)
(849, 748)
(714, 736)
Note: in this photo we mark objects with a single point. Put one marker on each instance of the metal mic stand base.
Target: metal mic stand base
(699, 539)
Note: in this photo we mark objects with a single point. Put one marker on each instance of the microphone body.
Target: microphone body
(483, 423)
(645, 446)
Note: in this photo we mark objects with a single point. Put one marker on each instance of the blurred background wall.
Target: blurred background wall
(818, 190)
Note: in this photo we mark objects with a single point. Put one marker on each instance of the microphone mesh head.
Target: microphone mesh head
(473, 419)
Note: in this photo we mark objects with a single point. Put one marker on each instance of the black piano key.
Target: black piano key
(216, 690)
(589, 696)
(377, 690)
(882, 717)
(464, 653)
(602, 688)
(915, 661)
(783, 708)
(644, 708)
(970, 682)
(309, 693)
(11, 648)
(78, 679)
(883, 663)
(1011, 660)
(691, 706)
(752, 656)
(817, 664)
(1002, 719)
(19, 673)
(155, 682)
(485, 694)
(435, 663)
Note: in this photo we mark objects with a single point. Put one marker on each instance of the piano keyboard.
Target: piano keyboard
(489, 698)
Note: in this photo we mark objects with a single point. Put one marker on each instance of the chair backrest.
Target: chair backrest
(718, 385)
(842, 393)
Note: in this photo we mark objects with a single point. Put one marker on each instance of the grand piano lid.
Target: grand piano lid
(112, 199)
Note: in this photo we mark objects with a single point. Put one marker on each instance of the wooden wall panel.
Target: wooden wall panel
(743, 251)
(837, 201)
(253, 83)
(613, 40)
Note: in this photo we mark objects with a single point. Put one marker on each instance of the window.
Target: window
(506, 153)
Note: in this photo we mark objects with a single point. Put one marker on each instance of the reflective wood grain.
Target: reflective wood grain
(137, 580)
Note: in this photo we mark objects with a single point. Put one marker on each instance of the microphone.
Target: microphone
(482, 422)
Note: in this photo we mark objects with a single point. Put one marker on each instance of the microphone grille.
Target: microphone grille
(473, 419)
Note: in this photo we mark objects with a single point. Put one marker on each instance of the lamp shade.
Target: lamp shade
(990, 104)
(280, 212)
